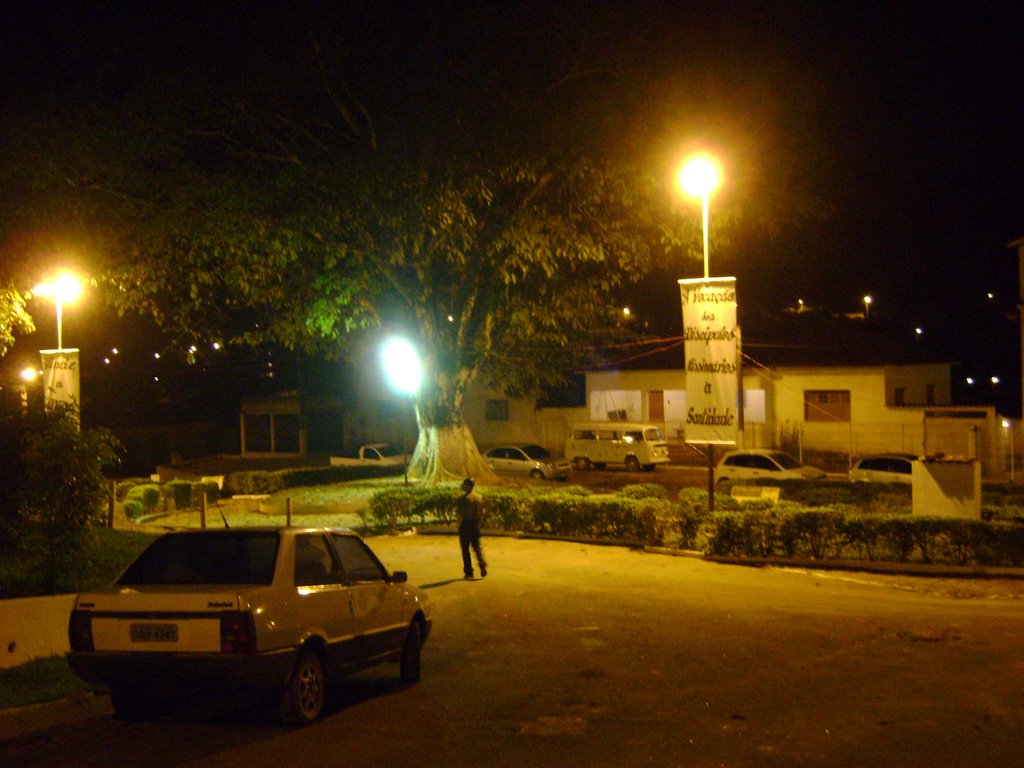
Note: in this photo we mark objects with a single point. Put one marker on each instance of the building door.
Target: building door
(656, 406)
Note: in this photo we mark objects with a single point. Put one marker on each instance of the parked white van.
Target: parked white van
(598, 443)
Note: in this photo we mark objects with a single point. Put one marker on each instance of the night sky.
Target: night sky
(902, 124)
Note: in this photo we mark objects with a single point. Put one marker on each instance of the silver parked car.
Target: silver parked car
(761, 463)
(883, 468)
(528, 459)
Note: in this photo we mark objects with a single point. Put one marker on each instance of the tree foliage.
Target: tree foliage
(53, 481)
(14, 320)
(478, 186)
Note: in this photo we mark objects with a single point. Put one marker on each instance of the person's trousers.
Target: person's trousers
(469, 536)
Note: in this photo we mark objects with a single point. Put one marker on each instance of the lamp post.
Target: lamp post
(1008, 426)
(867, 307)
(698, 177)
(64, 288)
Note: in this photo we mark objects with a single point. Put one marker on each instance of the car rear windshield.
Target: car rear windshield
(239, 557)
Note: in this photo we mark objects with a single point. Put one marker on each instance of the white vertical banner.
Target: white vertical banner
(711, 334)
(61, 376)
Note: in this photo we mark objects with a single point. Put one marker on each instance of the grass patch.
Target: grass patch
(39, 681)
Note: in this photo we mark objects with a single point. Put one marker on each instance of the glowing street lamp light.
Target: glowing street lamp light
(62, 289)
(402, 365)
(698, 177)
(867, 307)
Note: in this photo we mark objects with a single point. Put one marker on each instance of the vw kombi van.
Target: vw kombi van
(599, 443)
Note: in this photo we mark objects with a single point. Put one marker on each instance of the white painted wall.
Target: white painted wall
(34, 628)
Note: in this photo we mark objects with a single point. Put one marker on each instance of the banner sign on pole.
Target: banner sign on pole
(61, 376)
(711, 335)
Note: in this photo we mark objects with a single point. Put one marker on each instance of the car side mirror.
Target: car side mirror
(399, 577)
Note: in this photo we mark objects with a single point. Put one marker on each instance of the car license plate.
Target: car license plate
(154, 633)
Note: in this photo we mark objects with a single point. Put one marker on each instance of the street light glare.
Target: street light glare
(65, 288)
(402, 365)
(700, 175)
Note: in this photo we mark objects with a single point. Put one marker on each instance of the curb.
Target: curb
(922, 570)
(21, 721)
(865, 566)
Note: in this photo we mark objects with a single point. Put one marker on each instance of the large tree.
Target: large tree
(476, 184)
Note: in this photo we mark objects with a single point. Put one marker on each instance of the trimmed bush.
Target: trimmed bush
(142, 499)
(269, 482)
(508, 510)
(391, 508)
(644, 491)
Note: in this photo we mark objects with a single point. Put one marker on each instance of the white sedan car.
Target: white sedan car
(275, 610)
(884, 468)
(761, 464)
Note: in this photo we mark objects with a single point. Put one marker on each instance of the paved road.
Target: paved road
(574, 655)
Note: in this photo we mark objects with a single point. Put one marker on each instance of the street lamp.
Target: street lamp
(402, 365)
(698, 178)
(867, 307)
(62, 289)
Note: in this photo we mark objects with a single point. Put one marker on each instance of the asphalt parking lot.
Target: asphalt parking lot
(572, 654)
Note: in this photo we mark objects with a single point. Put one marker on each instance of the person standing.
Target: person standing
(470, 509)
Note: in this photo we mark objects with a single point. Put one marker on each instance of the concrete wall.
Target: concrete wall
(33, 628)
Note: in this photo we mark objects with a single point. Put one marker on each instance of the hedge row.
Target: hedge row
(841, 534)
(643, 514)
(152, 498)
(266, 481)
(639, 513)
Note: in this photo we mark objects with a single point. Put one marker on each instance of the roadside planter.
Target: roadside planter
(944, 487)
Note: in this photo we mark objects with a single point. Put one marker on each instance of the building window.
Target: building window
(827, 405)
(900, 396)
(496, 410)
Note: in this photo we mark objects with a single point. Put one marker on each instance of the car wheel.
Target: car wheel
(536, 474)
(130, 703)
(409, 663)
(303, 698)
(632, 464)
(581, 463)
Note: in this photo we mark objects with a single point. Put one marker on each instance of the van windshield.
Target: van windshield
(653, 434)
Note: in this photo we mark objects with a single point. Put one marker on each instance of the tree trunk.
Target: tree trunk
(447, 454)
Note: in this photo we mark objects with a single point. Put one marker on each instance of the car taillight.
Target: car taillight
(80, 631)
(237, 632)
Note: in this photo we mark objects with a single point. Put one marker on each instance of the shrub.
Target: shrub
(865, 533)
(395, 506)
(811, 532)
(185, 494)
(63, 488)
(142, 499)
(644, 491)
(508, 510)
(691, 514)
